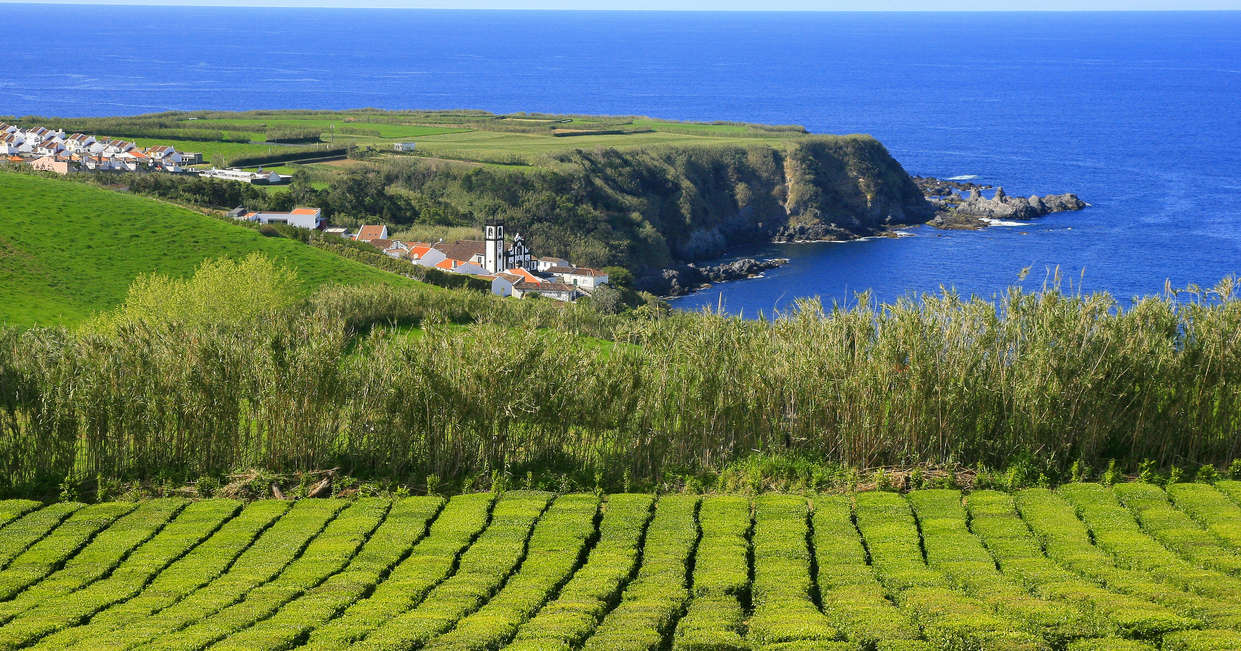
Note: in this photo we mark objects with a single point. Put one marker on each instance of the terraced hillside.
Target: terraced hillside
(1081, 567)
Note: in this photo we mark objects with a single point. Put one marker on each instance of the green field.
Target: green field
(68, 250)
(474, 136)
(1081, 567)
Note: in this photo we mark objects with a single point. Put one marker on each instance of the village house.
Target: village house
(309, 218)
(423, 254)
(555, 291)
(581, 277)
(336, 230)
(79, 142)
(369, 232)
(51, 164)
(543, 264)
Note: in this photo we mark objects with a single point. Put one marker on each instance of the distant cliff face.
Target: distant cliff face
(653, 208)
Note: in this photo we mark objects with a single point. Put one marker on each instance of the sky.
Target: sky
(715, 5)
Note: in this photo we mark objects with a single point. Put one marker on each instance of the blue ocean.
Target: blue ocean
(1137, 113)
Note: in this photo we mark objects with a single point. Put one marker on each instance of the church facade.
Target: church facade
(497, 257)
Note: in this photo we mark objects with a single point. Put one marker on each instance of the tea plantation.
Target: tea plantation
(1084, 566)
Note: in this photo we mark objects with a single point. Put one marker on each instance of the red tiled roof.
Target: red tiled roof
(305, 211)
(367, 233)
(463, 249)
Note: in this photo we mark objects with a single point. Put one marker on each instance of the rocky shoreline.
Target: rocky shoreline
(683, 279)
(957, 205)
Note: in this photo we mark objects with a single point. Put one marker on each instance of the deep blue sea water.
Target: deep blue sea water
(1138, 113)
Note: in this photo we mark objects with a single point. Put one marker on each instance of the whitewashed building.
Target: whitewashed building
(309, 218)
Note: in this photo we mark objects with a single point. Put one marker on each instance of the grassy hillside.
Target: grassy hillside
(1086, 566)
(68, 250)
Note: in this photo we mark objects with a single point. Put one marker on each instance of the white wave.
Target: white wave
(963, 177)
(1001, 222)
(902, 233)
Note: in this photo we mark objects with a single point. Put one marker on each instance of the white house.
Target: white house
(163, 154)
(79, 142)
(342, 232)
(403, 146)
(579, 276)
(543, 264)
(460, 267)
(502, 284)
(425, 255)
(310, 218)
(555, 291)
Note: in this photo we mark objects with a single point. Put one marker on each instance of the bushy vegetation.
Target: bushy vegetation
(530, 570)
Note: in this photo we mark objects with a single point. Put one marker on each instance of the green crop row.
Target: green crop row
(1211, 509)
(12, 509)
(557, 544)
(195, 523)
(1231, 488)
(852, 596)
(656, 597)
(1202, 640)
(948, 618)
(101, 556)
(324, 556)
(784, 610)
(721, 577)
(20, 534)
(430, 562)
(573, 615)
(190, 572)
(1068, 542)
(483, 569)
(1176, 530)
(1109, 644)
(259, 563)
(407, 523)
(960, 555)
(59, 546)
(994, 519)
(1116, 531)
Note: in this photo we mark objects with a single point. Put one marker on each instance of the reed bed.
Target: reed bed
(1046, 376)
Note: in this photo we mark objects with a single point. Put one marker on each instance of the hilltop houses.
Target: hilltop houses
(510, 267)
(308, 218)
(53, 151)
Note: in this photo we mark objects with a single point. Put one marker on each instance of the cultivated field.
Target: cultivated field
(1081, 567)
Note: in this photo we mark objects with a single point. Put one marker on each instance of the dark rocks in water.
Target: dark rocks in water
(962, 205)
(683, 279)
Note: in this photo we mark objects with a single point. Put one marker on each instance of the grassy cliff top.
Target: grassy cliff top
(472, 136)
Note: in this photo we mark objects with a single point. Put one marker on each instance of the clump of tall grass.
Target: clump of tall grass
(941, 380)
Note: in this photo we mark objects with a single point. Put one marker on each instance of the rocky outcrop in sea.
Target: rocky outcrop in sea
(683, 279)
(963, 205)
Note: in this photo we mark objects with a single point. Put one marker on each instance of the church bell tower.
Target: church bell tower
(493, 258)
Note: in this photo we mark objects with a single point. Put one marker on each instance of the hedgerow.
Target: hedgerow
(948, 618)
(557, 544)
(1211, 509)
(325, 555)
(195, 569)
(652, 602)
(25, 531)
(1202, 640)
(12, 509)
(853, 599)
(784, 609)
(569, 618)
(432, 559)
(263, 560)
(953, 550)
(195, 523)
(99, 557)
(60, 545)
(721, 578)
(483, 569)
(1176, 530)
(407, 523)
(1115, 530)
(1068, 542)
(1019, 555)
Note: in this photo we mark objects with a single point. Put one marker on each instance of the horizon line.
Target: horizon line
(241, 4)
